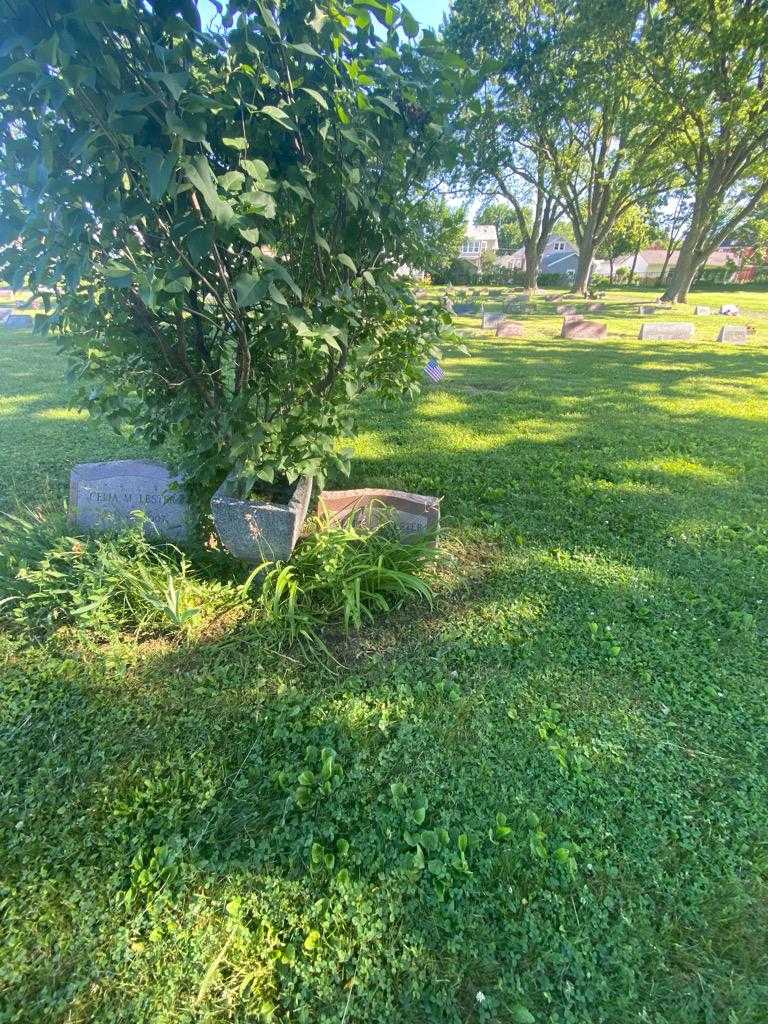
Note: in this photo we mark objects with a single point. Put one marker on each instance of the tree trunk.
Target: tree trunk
(610, 276)
(581, 280)
(531, 264)
(679, 281)
(632, 268)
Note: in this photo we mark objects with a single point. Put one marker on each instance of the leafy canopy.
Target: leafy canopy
(218, 216)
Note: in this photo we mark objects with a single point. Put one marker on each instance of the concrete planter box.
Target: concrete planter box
(260, 531)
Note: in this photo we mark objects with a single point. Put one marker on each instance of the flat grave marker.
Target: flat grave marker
(571, 310)
(103, 496)
(644, 310)
(729, 309)
(703, 310)
(14, 321)
(667, 331)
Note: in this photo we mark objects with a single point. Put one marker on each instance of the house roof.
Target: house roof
(719, 258)
(481, 232)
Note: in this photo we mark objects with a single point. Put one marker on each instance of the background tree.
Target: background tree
(439, 231)
(219, 217)
(502, 151)
(504, 219)
(627, 236)
(707, 63)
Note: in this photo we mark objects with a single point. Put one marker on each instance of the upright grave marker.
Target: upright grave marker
(103, 496)
(510, 329)
(703, 310)
(668, 331)
(729, 309)
(492, 319)
(733, 334)
(577, 327)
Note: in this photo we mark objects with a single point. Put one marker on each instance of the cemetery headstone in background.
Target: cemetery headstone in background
(510, 329)
(733, 334)
(703, 310)
(728, 309)
(577, 327)
(465, 308)
(595, 307)
(668, 331)
(369, 507)
(492, 319)
(103, 496)
(17, 321)
(566, 309)
(647, 310)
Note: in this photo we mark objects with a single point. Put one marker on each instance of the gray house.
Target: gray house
(559, 257)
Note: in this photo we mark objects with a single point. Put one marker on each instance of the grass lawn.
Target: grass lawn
(587, 706)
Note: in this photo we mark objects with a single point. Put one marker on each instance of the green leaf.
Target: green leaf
(250, 234)
(232, 181)
(159, 168)
(347, 261)
(369, 278)
(310, 51)
(311, 940)
(409, 23)
(319, 18)
(255, 169)
(276, 294)
(175, 82)
(180, 284)
(280, 116)
(235, 142)
(521, 1015)
(248, 290)
(316, 96)
(199, 173)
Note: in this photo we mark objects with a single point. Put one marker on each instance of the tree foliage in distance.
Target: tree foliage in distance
(628, 234)
(218, 217)
(505, 220)
(707, 62)
(439, 231)
(500, 130)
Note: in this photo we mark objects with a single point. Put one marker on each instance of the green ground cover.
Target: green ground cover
(586, 705)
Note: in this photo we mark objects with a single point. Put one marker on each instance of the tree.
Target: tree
(219, 217)
(502, 148)
(439, 232)
(629, 233)
(567, 109)
(504, 219)
(607, 156)
(707, 61)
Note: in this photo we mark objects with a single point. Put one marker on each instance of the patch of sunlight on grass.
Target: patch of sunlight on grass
(369, 444)
(465, 440)
(61, 412)
(443, 404)
(736, 408)
(11, 404)
(679, 466)
(596, 569)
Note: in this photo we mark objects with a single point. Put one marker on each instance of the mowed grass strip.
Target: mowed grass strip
(574, 738)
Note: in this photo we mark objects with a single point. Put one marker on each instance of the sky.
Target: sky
(428, 13)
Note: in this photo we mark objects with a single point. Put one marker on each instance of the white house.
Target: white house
(478, 238)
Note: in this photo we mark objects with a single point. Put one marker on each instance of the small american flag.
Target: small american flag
(434, 371)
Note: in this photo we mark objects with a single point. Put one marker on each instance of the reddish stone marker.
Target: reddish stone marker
(577, 327)
(595, 307)
(368, 507)
(510, 329)
(566, 309)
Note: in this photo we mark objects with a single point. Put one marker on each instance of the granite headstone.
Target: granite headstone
(17, 321)
(703, 310)
(668, 331)
(492, 319)
(577, 327)
(510, 329)
(729, 309)
(369, 507)
(733, 334)
(103, 496)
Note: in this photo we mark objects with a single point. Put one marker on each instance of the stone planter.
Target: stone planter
(260, 531)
